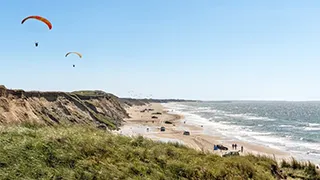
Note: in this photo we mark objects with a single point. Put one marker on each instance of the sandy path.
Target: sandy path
(140, 121)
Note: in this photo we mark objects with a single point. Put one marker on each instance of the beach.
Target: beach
(147, 124)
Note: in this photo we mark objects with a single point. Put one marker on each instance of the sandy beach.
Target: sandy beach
(142, 123)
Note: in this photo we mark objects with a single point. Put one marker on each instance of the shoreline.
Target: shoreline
(142, 123)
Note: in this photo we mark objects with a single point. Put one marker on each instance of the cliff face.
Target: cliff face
(88, 107)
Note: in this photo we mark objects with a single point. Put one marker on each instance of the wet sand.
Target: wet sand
(139, 123)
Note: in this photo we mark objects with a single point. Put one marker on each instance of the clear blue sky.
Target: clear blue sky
(195, 49)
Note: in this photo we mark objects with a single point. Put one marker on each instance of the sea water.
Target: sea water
(293, 127)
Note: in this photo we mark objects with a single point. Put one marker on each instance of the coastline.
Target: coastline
(139, 123)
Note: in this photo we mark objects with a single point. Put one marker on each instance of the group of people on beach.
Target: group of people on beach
(234, 147)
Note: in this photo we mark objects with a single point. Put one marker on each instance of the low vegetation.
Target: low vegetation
(90, 93)
(82, 152)
(300, 170)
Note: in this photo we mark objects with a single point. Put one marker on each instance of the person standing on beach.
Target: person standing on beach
(242, 149)
(232, 146)
(235, 146)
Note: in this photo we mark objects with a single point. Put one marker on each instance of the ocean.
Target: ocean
(293, 127)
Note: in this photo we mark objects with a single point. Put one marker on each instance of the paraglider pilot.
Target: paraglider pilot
(74, 65)
(36, 44)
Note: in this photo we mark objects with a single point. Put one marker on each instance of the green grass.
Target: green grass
(90, 93)
(296, 169)
(33, 151)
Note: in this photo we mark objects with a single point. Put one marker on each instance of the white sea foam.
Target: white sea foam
(286, 126)
(314, 125)
(312, 128)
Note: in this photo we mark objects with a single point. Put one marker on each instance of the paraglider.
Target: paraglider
(73, 53)
(42, 19)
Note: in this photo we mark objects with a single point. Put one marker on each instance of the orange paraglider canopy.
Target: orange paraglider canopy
(44, 20)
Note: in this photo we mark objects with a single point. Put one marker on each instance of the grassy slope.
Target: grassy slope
(80, 152)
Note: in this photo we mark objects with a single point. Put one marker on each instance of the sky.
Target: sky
(190, 49)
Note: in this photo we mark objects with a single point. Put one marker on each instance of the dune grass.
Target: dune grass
(83, 152)
(90, 93)
(300, 170)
